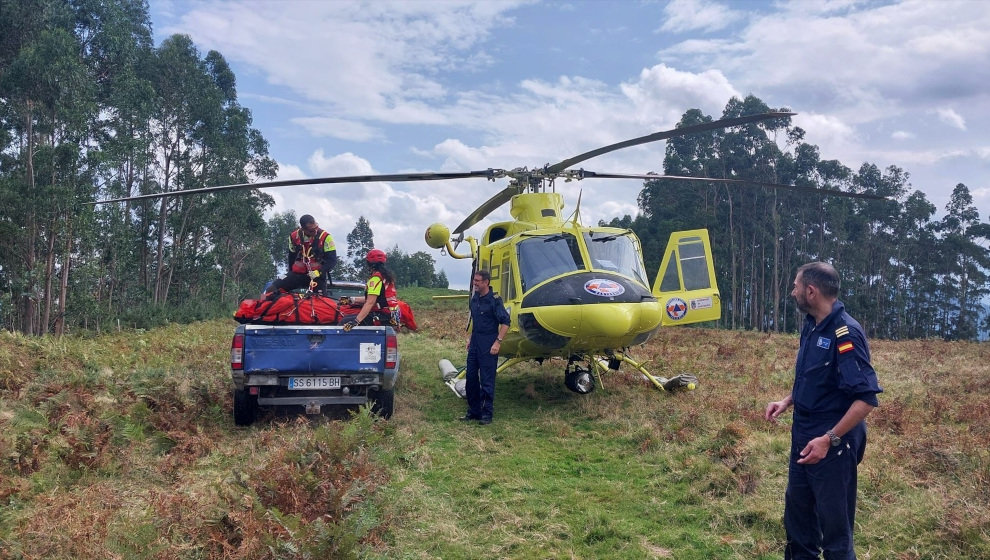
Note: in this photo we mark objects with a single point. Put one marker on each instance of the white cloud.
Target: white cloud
(951, 117)
(902, 135)
(341, 164)
(662, 94)
(861, 59)
(691, 15)
(379, 60)
(337, 128)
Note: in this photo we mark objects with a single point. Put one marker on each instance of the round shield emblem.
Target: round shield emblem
(604, 288)
(676, 308)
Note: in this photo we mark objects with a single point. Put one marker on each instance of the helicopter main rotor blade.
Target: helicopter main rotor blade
(488, 207)
(684, 131)
(488, 173)
(745, 182)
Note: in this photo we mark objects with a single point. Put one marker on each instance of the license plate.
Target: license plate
(314, 383)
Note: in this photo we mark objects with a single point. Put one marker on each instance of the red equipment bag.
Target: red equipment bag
(318, 310)
(274, 309)
(289, 309)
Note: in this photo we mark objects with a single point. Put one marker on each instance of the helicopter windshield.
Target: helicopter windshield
(615, 253)
(546, 256)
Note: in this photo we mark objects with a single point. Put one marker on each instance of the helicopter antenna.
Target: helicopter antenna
(576, 216)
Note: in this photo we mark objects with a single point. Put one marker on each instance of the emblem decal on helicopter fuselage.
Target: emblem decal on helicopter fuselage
(604, 288)
(701, 303)
(676, 308)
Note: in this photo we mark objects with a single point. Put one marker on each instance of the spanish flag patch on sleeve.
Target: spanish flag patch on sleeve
(845, 347)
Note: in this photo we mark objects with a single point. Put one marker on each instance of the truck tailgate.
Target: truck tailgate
(313, 349)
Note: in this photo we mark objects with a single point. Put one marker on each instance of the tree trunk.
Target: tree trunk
(27, 309)
(64, 280)
(733, 280)
(46, 301)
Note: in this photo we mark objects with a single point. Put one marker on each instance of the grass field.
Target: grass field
(122, 446)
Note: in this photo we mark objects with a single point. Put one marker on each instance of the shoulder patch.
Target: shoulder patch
(841, 331)
(845, 347)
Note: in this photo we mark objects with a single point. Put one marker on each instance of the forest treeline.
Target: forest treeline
(905, 273)
(91, 109)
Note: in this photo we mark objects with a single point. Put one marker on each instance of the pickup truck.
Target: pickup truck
(312, 366)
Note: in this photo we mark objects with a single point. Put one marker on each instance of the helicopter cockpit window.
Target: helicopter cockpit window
(547, 256)
(615, 253)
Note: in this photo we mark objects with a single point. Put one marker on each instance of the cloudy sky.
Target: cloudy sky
(347, 88)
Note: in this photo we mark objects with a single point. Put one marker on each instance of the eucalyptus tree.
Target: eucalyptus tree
(201, 136)
(359, 241)
(966, 266)
(179, 78)
(280, 226)
(868, 259)
(919, 247)
(119, 50)
(48, 98)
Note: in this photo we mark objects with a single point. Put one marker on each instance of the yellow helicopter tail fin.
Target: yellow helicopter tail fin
(685, 284)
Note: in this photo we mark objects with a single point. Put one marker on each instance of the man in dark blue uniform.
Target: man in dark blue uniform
(835, 388)
(489, 323)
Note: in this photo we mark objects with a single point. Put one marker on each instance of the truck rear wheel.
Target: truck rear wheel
(245, 407)
(382, 402)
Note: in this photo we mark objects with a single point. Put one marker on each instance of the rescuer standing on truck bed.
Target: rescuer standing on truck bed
(312, 255)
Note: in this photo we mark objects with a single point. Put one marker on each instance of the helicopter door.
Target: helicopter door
(685, 284)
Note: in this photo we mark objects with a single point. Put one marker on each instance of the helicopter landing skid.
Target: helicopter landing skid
(685, 381)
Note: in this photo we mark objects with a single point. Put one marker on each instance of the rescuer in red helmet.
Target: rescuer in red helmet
(379, 288)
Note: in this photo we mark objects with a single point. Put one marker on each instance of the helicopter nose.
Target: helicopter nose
(589, 320)
(609, 320)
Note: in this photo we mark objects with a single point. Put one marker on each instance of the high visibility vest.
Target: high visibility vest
(308, 253)
(386, 293)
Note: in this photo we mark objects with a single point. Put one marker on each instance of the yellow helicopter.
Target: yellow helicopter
(572, 291)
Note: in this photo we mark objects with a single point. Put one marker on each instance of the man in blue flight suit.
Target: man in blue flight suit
(490, 322)
(835, 388)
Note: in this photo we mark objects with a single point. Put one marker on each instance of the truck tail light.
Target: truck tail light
(391, 351)
(237, 352)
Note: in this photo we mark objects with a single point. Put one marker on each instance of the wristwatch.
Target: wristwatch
(836, 440)
(499, 339)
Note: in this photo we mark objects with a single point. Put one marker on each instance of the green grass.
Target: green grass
(122, 445)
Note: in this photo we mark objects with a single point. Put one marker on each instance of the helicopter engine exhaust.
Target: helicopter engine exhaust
(453, 378)
(447, 369)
